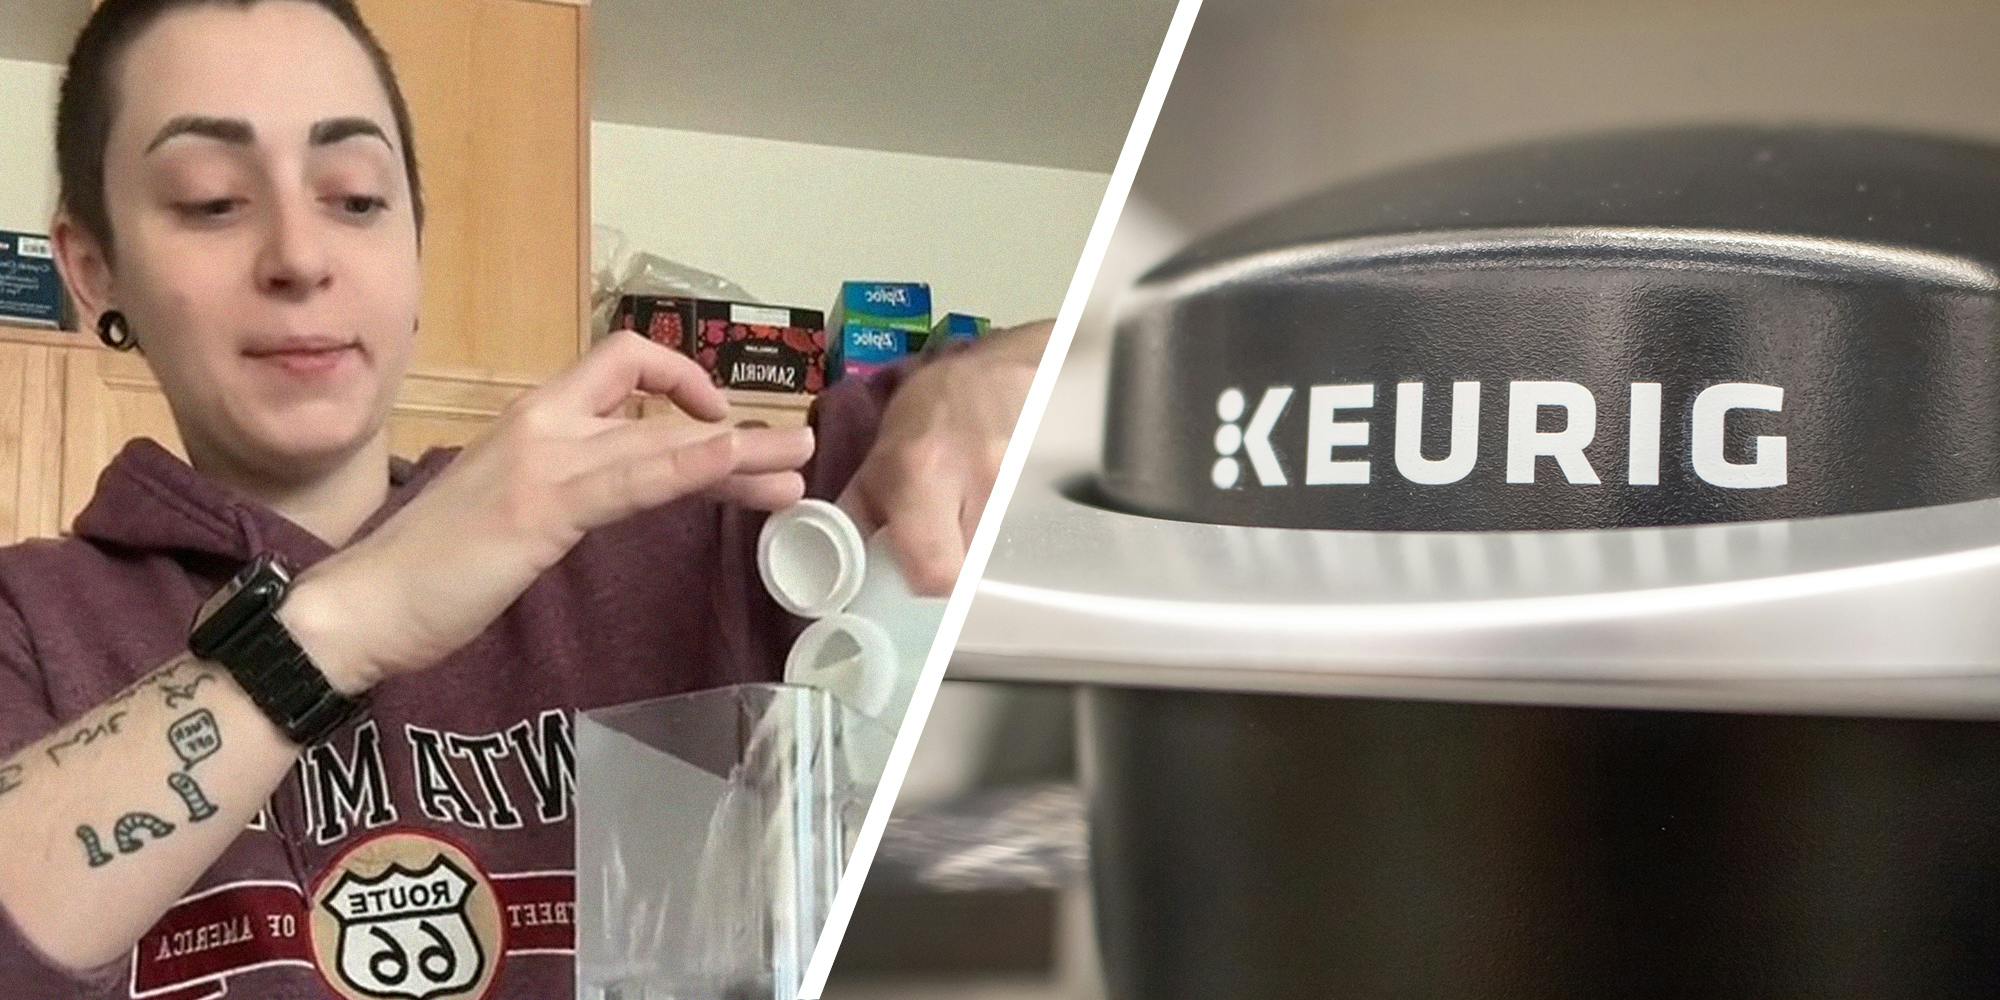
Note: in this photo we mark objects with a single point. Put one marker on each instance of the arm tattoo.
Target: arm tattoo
(198, 806)
(126, 831)
(10, 778)
(125, 834)
(195, 737)
(86, 736)
(92, 850)
(183, 674)
(178, 681)
(177, 694)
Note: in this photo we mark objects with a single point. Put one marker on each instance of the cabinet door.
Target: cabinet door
(446, 411)
(108, 399)
(31, 394)
(496, 89)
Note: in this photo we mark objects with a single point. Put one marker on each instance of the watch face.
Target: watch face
(224, 596)
(222, 615)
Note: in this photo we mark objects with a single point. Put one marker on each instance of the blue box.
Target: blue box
(875, 323)
(863, 349)
(955, 326)
(31, 292)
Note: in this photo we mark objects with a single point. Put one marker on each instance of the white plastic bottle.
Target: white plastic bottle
(872, 634)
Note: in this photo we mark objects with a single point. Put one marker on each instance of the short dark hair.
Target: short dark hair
(89, 100)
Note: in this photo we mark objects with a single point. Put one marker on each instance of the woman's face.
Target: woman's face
(265, 247)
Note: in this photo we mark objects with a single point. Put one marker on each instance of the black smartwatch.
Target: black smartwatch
(239, 629)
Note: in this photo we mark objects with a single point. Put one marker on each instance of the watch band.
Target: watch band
(283, 681)
(267, 662)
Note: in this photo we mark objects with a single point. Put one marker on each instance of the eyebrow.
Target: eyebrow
(233, 131)
(334, 130)
(237, 132)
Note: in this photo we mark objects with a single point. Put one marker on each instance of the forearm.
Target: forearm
(107, 821)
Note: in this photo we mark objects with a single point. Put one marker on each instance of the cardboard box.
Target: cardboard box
(956, 326)
(773, 348)
(663, 319)
(875, 323)
(31, 292)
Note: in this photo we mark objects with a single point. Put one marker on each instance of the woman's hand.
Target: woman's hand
(938, 452)
(559, 462)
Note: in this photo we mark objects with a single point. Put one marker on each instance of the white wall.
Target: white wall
(27, 144)
(790, 221)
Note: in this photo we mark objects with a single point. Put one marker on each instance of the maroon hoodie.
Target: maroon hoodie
(456, 785)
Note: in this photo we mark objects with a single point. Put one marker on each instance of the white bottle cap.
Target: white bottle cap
(812, 558)
(852, 659)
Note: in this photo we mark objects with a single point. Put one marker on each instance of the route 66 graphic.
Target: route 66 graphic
(406, 916)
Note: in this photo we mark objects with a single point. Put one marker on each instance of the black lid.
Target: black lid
(1758, 323)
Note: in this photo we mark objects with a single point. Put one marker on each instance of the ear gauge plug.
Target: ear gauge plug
(115, 331)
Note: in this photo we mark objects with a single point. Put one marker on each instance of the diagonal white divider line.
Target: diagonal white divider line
(1108, 211)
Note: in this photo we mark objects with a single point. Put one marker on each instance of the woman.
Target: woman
(363, 783)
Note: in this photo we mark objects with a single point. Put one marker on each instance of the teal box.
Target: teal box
(875, 323)
(31, 291)
(956, 326)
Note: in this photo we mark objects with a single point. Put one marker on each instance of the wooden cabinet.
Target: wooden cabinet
(108, 399)
(499, 99)
(447, 411)
(31, 403)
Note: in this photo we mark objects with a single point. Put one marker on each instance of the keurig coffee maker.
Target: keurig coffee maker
(1565, 571)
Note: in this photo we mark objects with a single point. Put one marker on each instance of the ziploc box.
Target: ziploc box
(875, 323)
(30, 289)
(956, 326)
(773, 348)
(667, 320)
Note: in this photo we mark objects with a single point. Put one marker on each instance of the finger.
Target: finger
(768, 491)
(759, 450)
(773, 449)
(616, 491)
(624, 363)
(925, 535)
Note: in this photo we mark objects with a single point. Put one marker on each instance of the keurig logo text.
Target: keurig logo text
(1551, 420)
(1634, 329)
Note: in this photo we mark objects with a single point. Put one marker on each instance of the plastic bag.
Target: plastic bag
(711, 832)
(617, 271)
